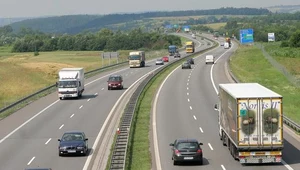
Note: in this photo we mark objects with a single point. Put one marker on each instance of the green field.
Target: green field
(249, 65)
(23, 73)
(216, 26)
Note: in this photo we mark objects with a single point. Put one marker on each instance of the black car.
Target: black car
(187, 150)
(190, 60)
(177, 54)
(186, 65)
(115, 82)
(73, 142)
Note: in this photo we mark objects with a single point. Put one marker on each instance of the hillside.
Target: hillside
(7, 21)
(285, 9)
(73, 24)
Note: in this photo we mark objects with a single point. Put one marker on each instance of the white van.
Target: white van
(209, 59)
(226, 45)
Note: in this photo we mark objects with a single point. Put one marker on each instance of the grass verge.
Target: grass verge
(249, 65)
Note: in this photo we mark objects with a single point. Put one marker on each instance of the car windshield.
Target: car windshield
(187, 145)
(159, 59)
(67, 84)
(72, 137)
(134, 57)
(114, 79)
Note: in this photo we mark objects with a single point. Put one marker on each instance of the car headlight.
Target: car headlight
(63, 148)
(80, 147)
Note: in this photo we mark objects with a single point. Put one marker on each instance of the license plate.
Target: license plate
(188, 158)
(68, 95)
(71, 151)
(114, 86)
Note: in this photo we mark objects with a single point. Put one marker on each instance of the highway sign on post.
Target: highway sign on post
(246, 36)
(271, 37)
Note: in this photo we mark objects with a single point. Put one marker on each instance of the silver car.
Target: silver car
(159, 62)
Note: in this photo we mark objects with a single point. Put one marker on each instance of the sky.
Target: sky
(40, 8)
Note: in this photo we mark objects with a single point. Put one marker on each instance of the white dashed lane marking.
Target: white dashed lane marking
(97, 93)
(88, 100)
(48, 141)
(188, 100)
(191, 108)
(71, 115)
(31, 160)
(195, 117)
(61, 126)
(223, 167)
(201, 129)
(210, 146)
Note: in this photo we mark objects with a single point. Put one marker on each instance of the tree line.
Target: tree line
(103, 40)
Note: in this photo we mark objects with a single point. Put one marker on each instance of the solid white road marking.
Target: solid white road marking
(72, 115)
(201, 129)
(194, 117)
(47, 141)
(7, 136)
(61, 126)
(286, 165)
(88, 100)
(223, 167)
(31, 160)
(191, 108)
(210, 146)
(80, 106)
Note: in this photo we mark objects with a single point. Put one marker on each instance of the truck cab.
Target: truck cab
(172, 50)
(136, 59)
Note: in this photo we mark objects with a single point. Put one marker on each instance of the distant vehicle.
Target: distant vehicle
(226, 45)
(186, 65)
(228, 40)
(165, 58)
(250, 122)
(190, 47)
(187, 150)
(115, 82)
(73, 142)
(177, 55)
(209, 59)
(70, 83)
(159, 61)
(137, 59)
(193, 36)
(222, 44)
(172, 50)
(190, 60)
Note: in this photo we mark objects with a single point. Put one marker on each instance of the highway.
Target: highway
(184, 108)
(28, 138)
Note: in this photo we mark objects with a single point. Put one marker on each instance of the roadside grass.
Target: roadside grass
(216, 26)
(23, 73)
(249, 65)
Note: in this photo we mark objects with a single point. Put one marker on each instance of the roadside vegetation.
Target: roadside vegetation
(24, 73)
(248, 64)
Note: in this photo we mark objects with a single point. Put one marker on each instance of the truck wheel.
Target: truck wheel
(224, 138)
(60, 98)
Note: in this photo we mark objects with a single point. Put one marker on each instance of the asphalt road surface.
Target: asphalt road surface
(185, 109)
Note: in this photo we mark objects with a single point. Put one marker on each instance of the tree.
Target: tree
(295, 39)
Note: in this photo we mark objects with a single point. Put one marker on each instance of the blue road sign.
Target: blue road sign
(246, 36)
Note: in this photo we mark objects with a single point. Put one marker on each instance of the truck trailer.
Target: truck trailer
(251, 122)
(70, 83)
(137, 59)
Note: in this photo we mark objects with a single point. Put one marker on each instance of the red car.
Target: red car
(165, 59)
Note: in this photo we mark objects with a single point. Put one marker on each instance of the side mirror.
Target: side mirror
(216, 107)
(86, 139)
(58, 139)
(56, 84)
(171, 144)
(200, 143)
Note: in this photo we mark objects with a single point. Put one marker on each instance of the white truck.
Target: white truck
(250, 122)
(137, 59)
(226, 45)
(70, 83)
(209, 59)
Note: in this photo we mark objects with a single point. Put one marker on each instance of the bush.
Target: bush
(284, 44)
(36, 53)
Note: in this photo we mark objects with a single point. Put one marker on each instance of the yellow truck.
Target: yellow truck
(137, 59)
(190, 47)
(250, 122)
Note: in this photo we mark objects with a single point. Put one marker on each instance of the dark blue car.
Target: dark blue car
(73, 142)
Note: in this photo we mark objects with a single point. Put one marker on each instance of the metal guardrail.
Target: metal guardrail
(286, 120)
(26, 100)
(119, 150)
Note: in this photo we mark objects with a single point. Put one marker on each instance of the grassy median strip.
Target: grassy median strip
(249, 65)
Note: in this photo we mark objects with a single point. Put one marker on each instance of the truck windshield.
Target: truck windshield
(67, 84)
(134, 57)
(189, 46)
